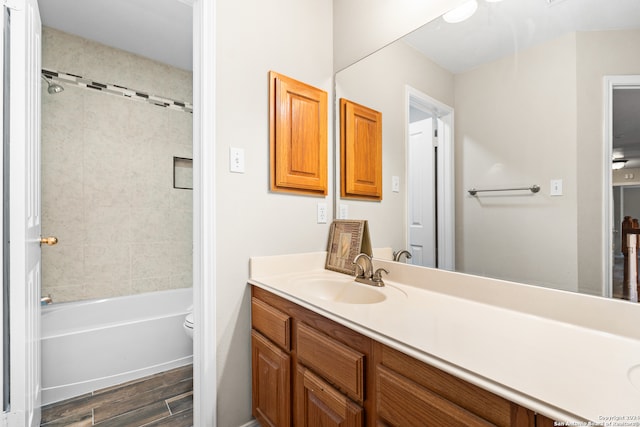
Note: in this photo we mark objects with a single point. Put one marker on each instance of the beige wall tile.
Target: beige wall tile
(108, 175)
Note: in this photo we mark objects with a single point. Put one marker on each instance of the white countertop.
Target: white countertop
(568, 356)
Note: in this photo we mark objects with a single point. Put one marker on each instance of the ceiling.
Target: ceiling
(156, 29)
(501, 29)
(626, 126)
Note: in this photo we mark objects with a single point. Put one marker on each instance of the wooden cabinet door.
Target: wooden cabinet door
(320, 405)
(298, 122)
(360, 151)
(542, 421)
(271, 393)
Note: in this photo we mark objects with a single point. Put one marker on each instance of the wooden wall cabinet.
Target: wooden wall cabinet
(360, 151)
(298, 136)
(325, 374)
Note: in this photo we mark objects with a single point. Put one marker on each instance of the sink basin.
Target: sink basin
(634, 376)
(342, 290)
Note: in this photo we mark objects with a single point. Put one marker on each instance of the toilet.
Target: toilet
(188, 325)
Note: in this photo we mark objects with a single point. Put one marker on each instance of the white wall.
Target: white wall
(360, 27)
(379, 82)
(598, 54)
(294, 38)
(515, 127)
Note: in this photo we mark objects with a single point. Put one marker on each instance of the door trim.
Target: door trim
(204, 214)
(446, 173)
(610, 83)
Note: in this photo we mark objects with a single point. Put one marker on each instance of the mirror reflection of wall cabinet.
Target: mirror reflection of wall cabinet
(360, 151)
(298, 136)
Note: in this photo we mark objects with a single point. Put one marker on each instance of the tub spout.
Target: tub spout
(46, 300)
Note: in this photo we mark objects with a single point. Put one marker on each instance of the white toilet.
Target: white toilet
(188, 325)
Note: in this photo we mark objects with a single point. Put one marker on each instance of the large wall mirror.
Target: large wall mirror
(513, 97)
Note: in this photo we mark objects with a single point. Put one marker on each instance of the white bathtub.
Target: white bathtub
(88, 345)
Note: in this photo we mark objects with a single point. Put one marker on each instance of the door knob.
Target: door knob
(48, 240)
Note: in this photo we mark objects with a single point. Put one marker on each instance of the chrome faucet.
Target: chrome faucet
(367, 270)
(397, 255)
(367, 275)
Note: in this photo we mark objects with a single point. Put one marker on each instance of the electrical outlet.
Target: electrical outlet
(236, 160)
(322, 213)
(344, 212)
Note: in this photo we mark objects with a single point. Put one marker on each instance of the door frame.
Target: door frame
(205, 378)
(24, 53)
(204, 217)
(610, 83)
(414, 98)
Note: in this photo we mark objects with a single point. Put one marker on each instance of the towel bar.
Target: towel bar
(534, 189)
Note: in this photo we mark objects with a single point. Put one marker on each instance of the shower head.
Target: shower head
(52, 88)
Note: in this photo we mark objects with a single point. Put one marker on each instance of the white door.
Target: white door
(422, 193)
(24, 212)
(622, 121)
(430, 167)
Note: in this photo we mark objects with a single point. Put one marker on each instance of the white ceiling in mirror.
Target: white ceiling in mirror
(626, 126)
(157, 29)
(499, 29)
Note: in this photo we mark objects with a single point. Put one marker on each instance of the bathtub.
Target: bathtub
(89, 345)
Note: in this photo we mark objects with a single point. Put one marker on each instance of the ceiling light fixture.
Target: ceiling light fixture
(461, 13)
(618, 163)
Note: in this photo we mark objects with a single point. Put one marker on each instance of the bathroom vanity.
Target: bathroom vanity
(433, 347)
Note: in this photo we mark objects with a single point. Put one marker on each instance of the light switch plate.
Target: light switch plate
(395, 184)
(556, 187)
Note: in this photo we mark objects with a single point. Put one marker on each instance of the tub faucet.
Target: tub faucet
(46, 300)
(367, 275)
(397, 255)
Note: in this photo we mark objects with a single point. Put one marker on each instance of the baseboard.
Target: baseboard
(252, 423)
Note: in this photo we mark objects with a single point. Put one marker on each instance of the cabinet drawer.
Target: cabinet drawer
(339, 364)
(402, 402)
(482, 403)
(271, 322)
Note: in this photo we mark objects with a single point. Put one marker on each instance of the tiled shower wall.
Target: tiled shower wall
(107, 175)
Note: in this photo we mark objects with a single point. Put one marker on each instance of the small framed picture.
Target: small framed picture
(347, 238)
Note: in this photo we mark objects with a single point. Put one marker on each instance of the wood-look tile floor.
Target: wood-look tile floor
(164, 399)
